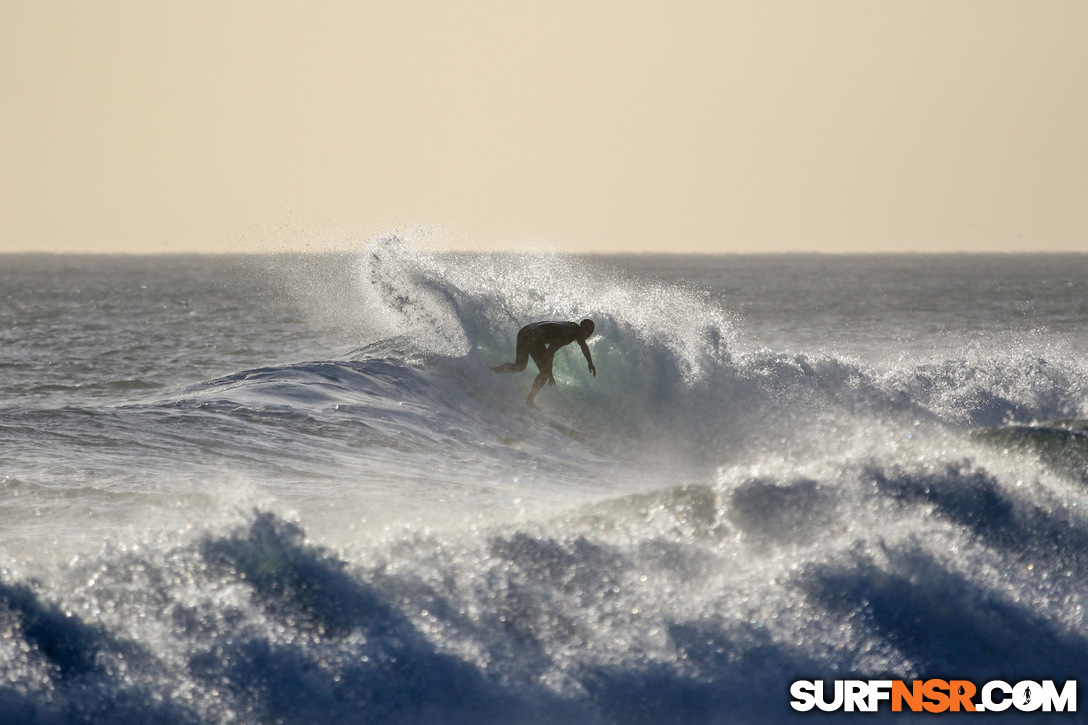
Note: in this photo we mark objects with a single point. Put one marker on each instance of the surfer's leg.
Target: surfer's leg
(540, 358)
(543, 360)
(522, 357)
(538, 383)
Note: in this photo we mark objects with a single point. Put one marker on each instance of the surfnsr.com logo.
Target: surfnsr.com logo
(933, 696)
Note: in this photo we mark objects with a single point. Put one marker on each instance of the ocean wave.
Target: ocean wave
(672, 363)
(388, 534)
(694, 603)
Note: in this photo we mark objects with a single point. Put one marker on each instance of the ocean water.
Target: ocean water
(289, 489)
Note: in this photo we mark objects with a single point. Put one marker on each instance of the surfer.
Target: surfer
(540, 340)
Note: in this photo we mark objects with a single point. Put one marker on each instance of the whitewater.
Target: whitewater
(288, 488)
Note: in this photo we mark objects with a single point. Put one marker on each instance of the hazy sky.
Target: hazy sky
(595, 125)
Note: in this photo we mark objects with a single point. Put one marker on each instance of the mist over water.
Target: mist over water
(290, 488)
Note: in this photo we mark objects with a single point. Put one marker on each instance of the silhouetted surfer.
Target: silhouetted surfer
(540, 340)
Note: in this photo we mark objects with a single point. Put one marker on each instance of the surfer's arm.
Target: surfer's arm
(589, 358)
